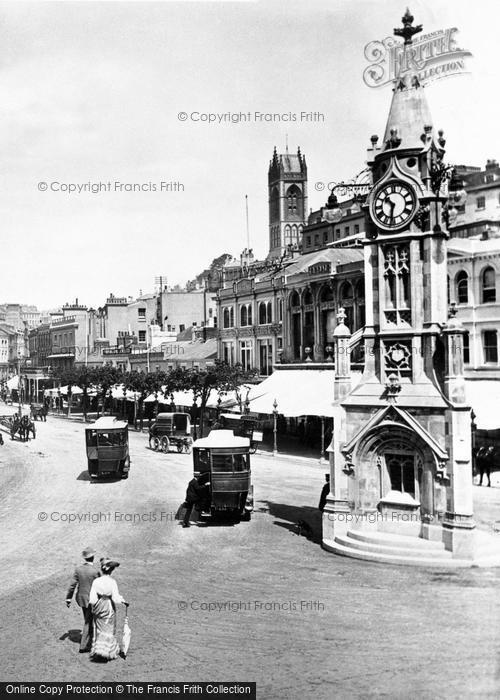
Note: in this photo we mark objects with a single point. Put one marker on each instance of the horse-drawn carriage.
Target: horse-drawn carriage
(171, 429)
(22, 426)
(243, 425)
(38, 411)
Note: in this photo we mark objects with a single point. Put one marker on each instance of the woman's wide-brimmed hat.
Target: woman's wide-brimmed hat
(88, 552)
(108, 564)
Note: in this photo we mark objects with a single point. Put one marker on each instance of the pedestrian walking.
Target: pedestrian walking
(83, 577)
(104, 597)
(196, 493)
(324, 493)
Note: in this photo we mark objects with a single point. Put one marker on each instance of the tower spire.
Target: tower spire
(409, 114)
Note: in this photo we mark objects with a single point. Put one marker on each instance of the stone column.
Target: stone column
(342, 334)
(458, 524)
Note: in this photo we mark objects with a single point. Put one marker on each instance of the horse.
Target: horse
(39, 412)
(484, 463)
(23, 427)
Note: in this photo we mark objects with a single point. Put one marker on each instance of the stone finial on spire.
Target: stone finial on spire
(408, 31)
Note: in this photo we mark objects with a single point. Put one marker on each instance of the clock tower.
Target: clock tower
(401, 452)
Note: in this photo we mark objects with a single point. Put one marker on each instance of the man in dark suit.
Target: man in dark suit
(83, 577)
(324, 493)
(197, 491)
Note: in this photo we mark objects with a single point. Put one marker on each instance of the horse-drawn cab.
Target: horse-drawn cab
(107, 448)
(243, 425)
(225, 458)
(22, 426)
(38, 411)
(171, 429)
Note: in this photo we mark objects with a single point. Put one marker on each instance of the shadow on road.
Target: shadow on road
(292, 514)
(73, 636)
(85, 476)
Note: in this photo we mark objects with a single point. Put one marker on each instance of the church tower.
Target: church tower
(287, 181)
(401, 453)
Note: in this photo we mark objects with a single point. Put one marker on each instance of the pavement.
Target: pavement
(252, 601)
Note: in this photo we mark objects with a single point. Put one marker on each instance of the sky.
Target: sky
(91, 92)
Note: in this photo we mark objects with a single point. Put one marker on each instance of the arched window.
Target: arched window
(226, 317)
(308, 297)
(249, 314)
(262, 313)
(294, 299)
(489, 287)
(294, 201)
(269, 312)
(326, 294)
(346, 292)
(462, 288)
(274, 205)
(243, 316)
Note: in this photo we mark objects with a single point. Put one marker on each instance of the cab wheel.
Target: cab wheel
(93, 468)
(165, 444)
(180, 447)
(187, 447)
(125, 466)
(156, 444)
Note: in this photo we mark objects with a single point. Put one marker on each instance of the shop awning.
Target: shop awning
(483, 396)
(298, 392)
(13, 382)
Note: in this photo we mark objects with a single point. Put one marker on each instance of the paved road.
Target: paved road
(300, 622)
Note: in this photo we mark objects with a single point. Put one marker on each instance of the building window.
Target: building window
(346, 231)
(489, 287)
(325, 237)
(265, 357)
(466, 348)
(490, 346)
(337, 234)
(228, 317)
(481, 203)
(142, 314)
(265, 312)
(401, 470)
(308, 240)
(142, 336)
(356, 228)
(246, 315)
(228, 353)
(246, 354)
(462, 288)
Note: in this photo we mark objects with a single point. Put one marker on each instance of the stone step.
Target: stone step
(390, 539)
(391, 549)
(408, 560)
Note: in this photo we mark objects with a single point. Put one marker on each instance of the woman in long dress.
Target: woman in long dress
(104, 597)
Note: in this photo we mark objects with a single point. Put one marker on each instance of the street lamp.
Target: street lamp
(275, 427)
(473, 428)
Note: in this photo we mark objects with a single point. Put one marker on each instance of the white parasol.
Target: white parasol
(126, 634)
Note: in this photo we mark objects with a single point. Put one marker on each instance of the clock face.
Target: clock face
(394, 205)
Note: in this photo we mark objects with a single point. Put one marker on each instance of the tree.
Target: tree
(104, 377)
(85, 378)
(221, 376)
(68, 377)
(144, 384)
